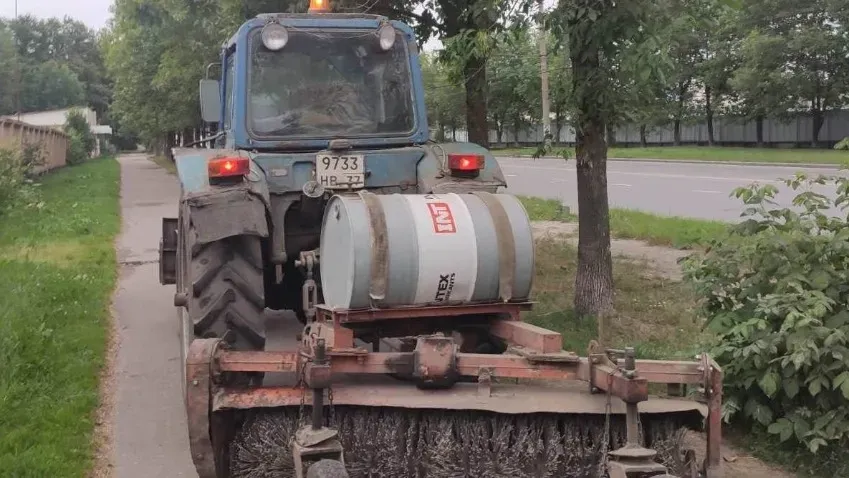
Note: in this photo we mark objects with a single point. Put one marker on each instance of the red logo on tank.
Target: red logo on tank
(443, 220)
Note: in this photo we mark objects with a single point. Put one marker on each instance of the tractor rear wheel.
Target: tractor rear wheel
(225, 291)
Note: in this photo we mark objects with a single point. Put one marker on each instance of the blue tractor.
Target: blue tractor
(327, 254)
(301, 115)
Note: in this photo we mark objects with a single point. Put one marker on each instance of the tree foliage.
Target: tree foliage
(445, 98)
(794, 58)
(17, 165)
(775, 293)
(60, 65)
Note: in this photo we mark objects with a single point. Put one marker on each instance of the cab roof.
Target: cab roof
(320, 20)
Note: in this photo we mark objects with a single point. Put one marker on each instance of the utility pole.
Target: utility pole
(18, 73)
(543, 67)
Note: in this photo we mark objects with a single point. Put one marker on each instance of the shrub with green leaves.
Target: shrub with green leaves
(81, 141)
(77, 152)
(16, 168)
(776, 293)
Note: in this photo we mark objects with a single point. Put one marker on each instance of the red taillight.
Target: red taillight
(465, 162)
(228, 167)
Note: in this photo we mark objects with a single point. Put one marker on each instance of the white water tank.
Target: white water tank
(383, 251)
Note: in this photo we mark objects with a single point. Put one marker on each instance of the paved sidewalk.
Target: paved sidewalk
(149, 436)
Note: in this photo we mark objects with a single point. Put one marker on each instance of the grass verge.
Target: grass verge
(57, 271)
(678, 232)
(656, 316)
(716, 153)
(164, 163)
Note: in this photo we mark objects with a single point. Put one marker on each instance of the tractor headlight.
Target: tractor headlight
(387, 36)
(274, 36)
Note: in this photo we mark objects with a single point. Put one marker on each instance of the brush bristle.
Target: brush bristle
(402, 443)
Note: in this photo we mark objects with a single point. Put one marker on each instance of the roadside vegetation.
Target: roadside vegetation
(164, 163)
(774, 293)
(657, 230)
(57, 271)
(766, 297)
(655, 315)
(705, 153)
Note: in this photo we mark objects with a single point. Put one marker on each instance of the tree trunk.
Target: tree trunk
(475, 75)
(499, 133)
(558, 126)
(188, 134)
(709, 115)
(516, 133)
(611, 136)
(454, 133)
(682, 91)
(676, 132)
(643, 141)
(594, 279)
(818, 120)
(759, 130)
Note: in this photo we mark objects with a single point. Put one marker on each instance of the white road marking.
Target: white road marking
(558, 180)
(511, 175)
(622, 185)
(706, 191)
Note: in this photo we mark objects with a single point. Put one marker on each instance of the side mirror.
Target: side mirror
(210, 101)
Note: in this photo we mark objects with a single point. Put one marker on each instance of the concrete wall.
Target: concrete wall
(54, 143)
(727, 131)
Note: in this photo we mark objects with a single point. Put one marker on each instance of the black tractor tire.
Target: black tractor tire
(327, 469)
(226, 293)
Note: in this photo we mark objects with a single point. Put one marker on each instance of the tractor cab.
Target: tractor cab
(295, 82)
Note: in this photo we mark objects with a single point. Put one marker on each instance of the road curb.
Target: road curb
(697, 161)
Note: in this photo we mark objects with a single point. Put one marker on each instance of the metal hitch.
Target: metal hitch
(316, 442)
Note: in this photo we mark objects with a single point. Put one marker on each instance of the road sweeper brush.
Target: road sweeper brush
(437, 388)
(350, 293)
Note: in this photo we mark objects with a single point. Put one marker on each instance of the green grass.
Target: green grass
(57, 273)
(546, 209)
(678, 232)
(163, 162)
(657, 317)
(716, 153)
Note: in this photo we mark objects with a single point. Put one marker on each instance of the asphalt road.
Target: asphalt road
(149, 437)
(678, 189)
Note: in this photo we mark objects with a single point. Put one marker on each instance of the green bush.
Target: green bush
(775, 291)
(82, 141)
(77, 152)
(16, 168)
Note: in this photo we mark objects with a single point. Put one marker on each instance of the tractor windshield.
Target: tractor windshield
(329, 85)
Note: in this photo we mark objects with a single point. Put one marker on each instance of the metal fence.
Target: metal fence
(53, 143)
(728, 131)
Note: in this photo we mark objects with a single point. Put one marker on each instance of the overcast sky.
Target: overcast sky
(94, 13)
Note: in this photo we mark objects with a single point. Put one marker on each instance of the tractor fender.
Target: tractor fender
(218, 211)
(433, 179)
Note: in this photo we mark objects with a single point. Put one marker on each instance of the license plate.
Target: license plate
(340, 171)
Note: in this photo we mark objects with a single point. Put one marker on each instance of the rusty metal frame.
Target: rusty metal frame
(354, 316)
(532, 353)
(199, 390)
